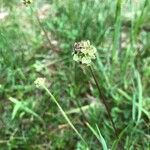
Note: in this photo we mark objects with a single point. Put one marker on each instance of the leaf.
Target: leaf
(116, 142)
(98, 136)
(22, 106)
(102, 139)
(15, 110)
(139, 92)
(134, 107)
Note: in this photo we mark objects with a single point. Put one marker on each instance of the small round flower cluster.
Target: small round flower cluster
(40, 82)
(84, 52)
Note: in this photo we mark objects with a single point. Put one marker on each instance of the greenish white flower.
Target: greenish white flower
(86, 60)
(39, 82)
(76, 57)
(84, 52)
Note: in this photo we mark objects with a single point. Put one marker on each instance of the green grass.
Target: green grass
(32, 48)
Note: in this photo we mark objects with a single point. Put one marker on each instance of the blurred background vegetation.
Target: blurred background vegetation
(37, 41)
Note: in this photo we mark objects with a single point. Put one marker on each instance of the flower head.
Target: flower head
(84, 52)
(39, 82)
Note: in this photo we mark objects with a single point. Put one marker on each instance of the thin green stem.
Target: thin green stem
(103, 99)
(64, 114)
(43, 29)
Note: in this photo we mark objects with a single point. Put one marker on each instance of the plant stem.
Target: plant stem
(103, 99)
(76, 95)
(43, 29)
(64, 114)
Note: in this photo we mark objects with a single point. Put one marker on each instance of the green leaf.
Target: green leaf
(98, 136)
(22, 106)
(139, 92)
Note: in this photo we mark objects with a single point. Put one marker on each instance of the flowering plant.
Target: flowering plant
(84, 52)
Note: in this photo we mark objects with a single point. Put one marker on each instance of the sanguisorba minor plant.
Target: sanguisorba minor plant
(84, 53)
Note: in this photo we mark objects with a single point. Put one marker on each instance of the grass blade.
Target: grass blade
(139, 91)
(117, 31)
(102, 139)
(98, 136)
(123, 93)
(134, 107)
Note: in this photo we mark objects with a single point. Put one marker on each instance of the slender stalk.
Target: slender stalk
(43, 29)
(103, 99)
(77, 100)
(64, 114)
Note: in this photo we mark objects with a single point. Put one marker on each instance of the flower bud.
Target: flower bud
(39, 82)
